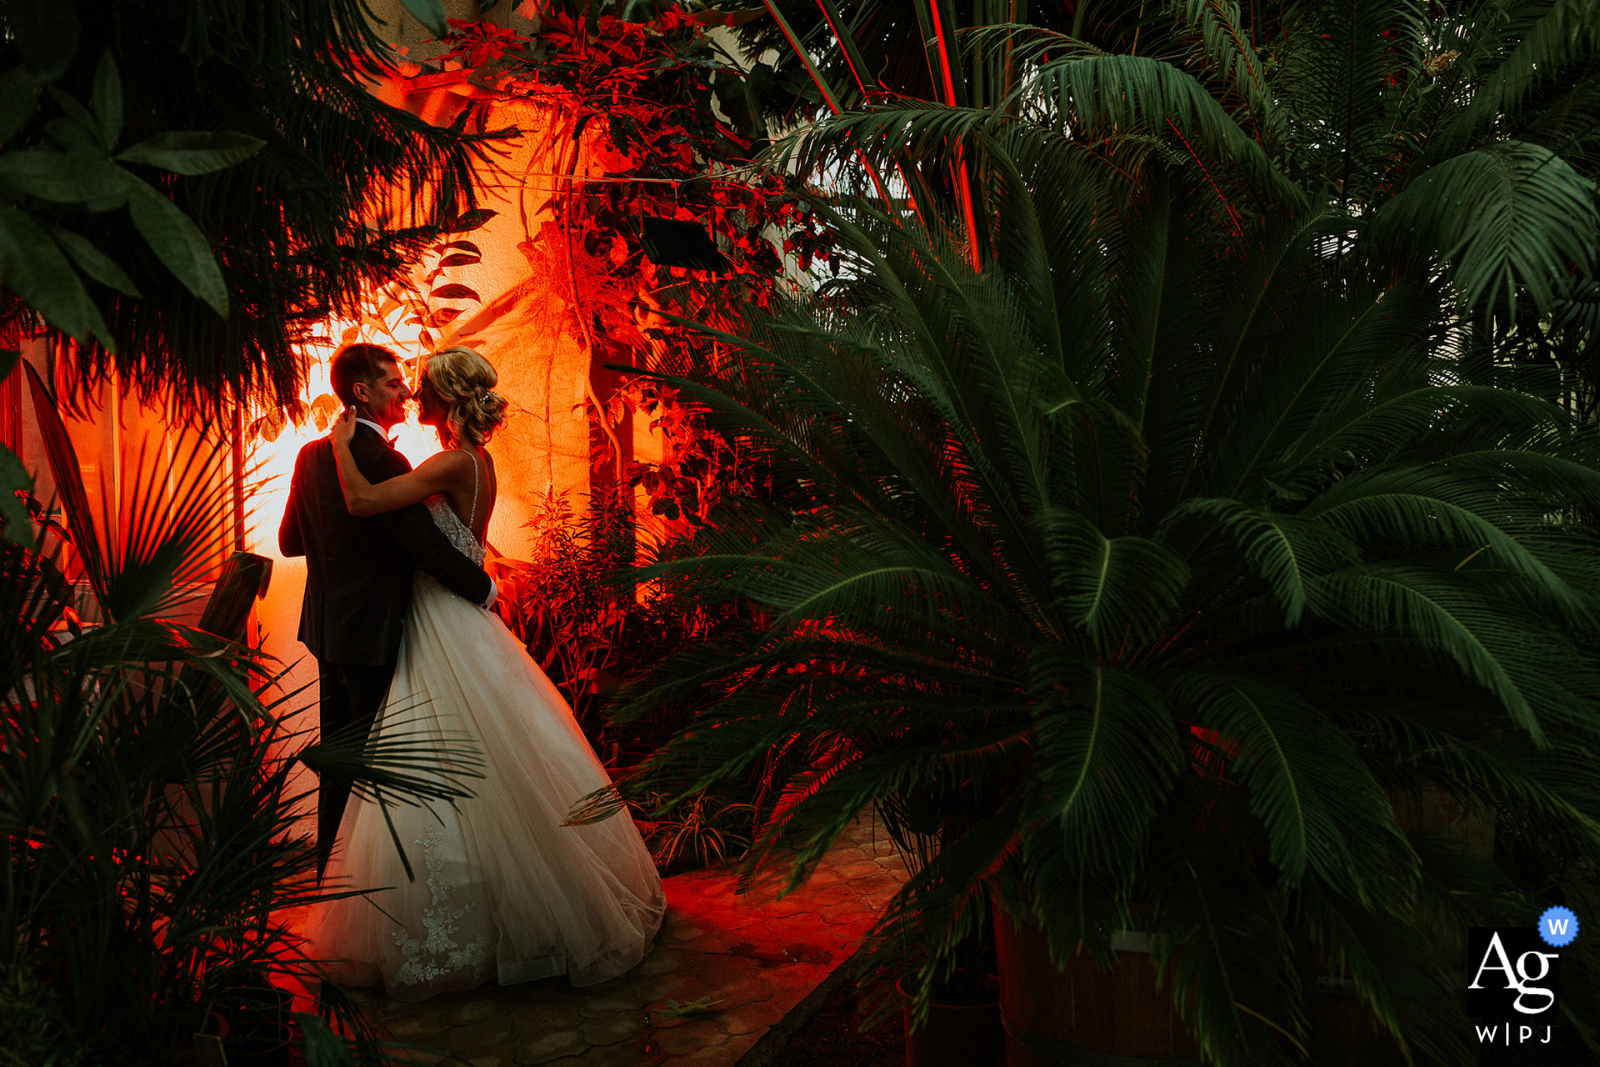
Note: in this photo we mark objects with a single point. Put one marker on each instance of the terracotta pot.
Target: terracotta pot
(207, 1048)
(956, 1035)
(1080, 1014)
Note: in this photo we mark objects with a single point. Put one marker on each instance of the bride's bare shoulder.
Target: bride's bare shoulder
(447, 467)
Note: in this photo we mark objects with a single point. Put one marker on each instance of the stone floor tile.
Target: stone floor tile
(750, 1018)
(693, 1035)
(834, 911)
(547, 989)
(825, 876)
(834, 894)
(469, 1011)
(680, 933)
(750, 955)
(742, 961)
(541, 1017)
(858, 868)
(689, 985)
(879, 896)
(744, 919)
(592, 1006)
(739, 1044)
(609, 1030)
(416, 1024)
(716, 1056)
(661, 961)
(549, 1047)
(491, 1035)
(633, 1053)
(638, 989)
(420, 1056)
(379, 1006)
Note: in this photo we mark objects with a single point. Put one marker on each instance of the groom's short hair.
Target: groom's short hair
(357, 363)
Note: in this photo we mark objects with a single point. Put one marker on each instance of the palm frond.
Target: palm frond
(1505, 219)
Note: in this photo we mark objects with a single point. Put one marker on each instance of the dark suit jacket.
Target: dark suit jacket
(358, 580)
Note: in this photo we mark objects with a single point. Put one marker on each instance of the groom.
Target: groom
(358, 570)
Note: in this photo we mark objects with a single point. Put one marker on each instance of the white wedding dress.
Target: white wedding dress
(503, 890)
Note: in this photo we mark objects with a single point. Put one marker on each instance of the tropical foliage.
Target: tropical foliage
(1462, 131)
(150, 790)
(1157, 556)
(188, 187)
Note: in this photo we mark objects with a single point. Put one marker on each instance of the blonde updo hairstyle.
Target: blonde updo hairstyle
(465, 381)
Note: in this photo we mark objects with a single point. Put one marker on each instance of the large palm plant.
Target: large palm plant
(1156, 557)
(1463, 131)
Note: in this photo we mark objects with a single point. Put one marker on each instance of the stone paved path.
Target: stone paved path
(731, 965)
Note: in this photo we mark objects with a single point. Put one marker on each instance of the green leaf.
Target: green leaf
(33, 268)
(74, 138)
(1305, 779)
(63, 177)
(14, 479)
(431, 14)
(93, 262)
(19, 95)
(191, 151)
(1109, 586)
(675, 1009)
(1505, 219)
(1290, 553)
(46, 35)
(108, 101)
(76, 113)
(179, 243)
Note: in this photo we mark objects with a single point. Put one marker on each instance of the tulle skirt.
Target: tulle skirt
(502, 890)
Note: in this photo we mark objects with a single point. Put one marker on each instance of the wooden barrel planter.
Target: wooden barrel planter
(956, 1035)
(1083, 1016)
(1342, 1029)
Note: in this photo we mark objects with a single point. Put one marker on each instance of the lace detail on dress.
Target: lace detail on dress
(454, 529)
(438, 955)
(459, 533)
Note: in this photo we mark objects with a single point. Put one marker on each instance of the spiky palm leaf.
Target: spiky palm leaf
(1467, 132)
(1154, 550)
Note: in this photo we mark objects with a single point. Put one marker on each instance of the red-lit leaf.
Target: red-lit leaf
(324, 409)
(465, 246)
(443, 317)
(456, 291)
(469, 220)
(269, 426)
(460, 259)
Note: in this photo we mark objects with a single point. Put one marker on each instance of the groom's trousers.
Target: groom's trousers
(350, 699)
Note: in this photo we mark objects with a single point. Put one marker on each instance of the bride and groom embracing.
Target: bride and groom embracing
(395, 614)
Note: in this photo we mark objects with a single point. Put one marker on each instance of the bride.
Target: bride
(503, 889)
